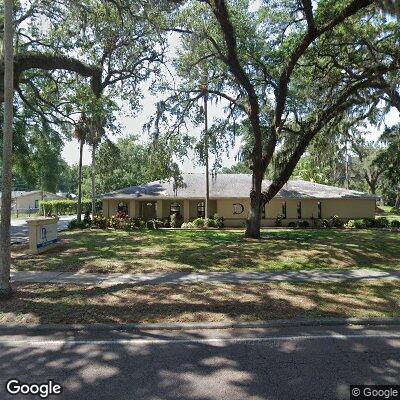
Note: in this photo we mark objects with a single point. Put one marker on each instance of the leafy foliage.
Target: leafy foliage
(65, 207)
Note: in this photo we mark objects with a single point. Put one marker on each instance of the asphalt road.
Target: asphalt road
(286, 363)
(19, 228)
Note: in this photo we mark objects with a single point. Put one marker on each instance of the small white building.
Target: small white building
(22, 200)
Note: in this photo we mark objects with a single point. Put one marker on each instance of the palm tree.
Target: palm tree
(5, 238)
(96, 134)
(81, 133)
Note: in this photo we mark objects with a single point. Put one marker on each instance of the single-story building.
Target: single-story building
(22, 200)
(229, 197)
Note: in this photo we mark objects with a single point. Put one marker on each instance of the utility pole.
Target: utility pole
(5, 237)
(207, 199)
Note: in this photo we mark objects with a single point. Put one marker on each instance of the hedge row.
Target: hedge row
(66, 207)
(124, 222)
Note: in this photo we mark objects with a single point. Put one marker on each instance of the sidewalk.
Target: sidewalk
(204, 277)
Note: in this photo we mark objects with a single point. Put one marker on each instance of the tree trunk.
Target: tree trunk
(372, 187)
(93, 179)
(256, 202)
(79, 205)
(207, 202)
(397, 203)
(5, 237)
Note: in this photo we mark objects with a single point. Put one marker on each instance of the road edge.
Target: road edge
(279, 323)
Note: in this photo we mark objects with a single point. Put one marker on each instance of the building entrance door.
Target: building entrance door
(148, 210)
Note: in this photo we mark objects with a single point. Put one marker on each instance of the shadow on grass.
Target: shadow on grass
(197, 369)
(124, 303)
(149, 251)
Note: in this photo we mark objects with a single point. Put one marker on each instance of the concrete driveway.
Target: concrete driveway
(19, 228)
(292, 363)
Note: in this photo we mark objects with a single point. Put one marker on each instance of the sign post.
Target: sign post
(43, 234)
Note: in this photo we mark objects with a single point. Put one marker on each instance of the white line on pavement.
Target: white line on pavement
(199, 340)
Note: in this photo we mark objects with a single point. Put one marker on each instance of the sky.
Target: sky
(134, 125)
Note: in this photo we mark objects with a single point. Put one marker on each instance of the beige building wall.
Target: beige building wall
(235, 211)
(31, 200)
(349, 209)
(344, 208)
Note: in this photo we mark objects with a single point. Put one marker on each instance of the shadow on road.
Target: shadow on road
(280, 369)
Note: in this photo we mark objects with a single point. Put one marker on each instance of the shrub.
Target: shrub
(356, 224)
(176, 221)
(209, 223)
(118, 221)
(360, 224)
(166, 223)
(219, 221)
(336, 222)
(131, 224)
(199, 222)
(292, 224)
(75, 224)
(303, 224)
(137, 223)
(382, 222)
(278, 220)
(152, 224)
(66, 207)
(395, 223)
(370, 222)
(100, 221)
(394, 210)
(188, 225)
(326, 223)
(159, 223)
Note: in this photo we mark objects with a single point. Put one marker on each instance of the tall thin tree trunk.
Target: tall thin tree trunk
(79, 205)
(397, 203)
(207, 199)
(93, 179)
(5, 236)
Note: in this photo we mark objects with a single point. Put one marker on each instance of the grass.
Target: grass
(386, 211)
(51, 303)
(227, 250)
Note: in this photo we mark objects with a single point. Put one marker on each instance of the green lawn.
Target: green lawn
(385, 211)
(50, 303)
(187, 250)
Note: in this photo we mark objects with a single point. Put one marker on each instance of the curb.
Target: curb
(279, 323)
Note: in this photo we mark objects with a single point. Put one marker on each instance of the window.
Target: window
(36, 203)
(299, 210)
(201, 209)
(238, 208)
(319, 210)
(264, 212)
(284, 212)
(123, 207)
(175, 209)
